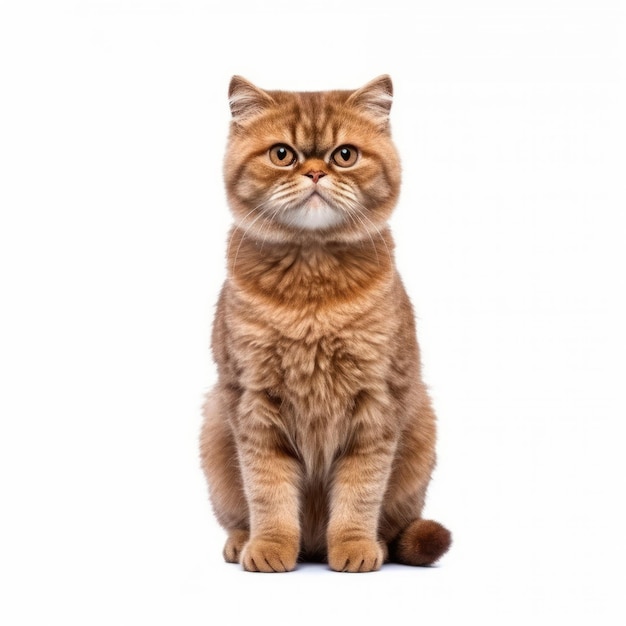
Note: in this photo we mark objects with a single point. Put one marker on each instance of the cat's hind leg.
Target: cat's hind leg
(233, 547)
(220, 464)
(411, 539)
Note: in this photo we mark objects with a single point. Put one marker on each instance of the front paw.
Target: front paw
(270, 555)
(362, 555)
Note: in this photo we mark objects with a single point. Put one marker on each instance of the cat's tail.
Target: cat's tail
(422, 542)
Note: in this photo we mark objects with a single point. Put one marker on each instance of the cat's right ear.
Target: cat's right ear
(375, 98)
(246, 99)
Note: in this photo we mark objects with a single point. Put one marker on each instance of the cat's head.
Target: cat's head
(311, 163)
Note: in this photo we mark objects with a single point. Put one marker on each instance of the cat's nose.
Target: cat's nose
(315, 175)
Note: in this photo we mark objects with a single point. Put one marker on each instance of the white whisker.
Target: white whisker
(365, 217)
(347, 200)
(269, 221)
(243, 219)
(244, 236)
(360, 218)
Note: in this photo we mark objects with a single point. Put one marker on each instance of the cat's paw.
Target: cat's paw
(361, 555)
(270, 555)
(234, 545)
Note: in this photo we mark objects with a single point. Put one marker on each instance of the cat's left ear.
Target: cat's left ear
(246, 99)
(375, 98)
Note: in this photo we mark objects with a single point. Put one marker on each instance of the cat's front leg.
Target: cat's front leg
(272, 486)
(359, 484)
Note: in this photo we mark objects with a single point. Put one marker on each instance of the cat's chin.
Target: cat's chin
(314, 214)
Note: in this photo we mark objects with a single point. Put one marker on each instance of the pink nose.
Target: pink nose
(315, 175)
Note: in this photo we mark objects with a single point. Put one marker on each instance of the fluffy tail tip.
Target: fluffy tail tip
(422, 542)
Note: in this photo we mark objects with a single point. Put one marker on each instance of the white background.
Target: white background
(509, 117)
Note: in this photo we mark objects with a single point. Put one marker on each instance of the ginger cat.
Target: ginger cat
(319, 437)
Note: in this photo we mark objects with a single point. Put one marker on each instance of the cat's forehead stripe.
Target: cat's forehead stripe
(314, 128)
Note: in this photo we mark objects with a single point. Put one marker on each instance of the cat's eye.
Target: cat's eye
(282, 155)
(345, 156)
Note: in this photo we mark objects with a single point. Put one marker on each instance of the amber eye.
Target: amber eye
(345, 156)
(282, 155)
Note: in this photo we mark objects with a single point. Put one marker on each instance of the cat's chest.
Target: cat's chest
(315, 334)
(327, 370)
(313, 364)
(321, 372)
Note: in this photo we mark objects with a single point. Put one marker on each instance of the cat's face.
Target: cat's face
(319, 163)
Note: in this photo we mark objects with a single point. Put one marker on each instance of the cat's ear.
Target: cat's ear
(375, 98)
(246, 99)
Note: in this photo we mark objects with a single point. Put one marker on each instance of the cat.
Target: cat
(318, 441)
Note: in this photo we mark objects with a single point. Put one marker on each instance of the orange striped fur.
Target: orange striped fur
(319, 438)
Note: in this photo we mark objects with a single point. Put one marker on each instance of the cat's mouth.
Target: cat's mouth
(313, 212)
(316, 199)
